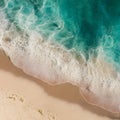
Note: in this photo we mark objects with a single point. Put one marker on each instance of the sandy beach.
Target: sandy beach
(25, 98)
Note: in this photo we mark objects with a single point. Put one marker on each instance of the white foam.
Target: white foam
(53, 64)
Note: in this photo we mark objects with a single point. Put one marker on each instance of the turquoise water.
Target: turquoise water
(82, 25)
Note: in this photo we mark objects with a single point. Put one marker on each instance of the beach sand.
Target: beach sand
(25, 98)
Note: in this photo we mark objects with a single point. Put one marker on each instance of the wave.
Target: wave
(82, 25)
(50, 42)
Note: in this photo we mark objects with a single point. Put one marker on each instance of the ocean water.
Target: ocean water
(59, 41)
(85, 26)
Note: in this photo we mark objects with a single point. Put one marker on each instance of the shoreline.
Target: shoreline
(60, 100)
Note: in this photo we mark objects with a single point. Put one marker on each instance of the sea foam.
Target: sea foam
(56, 48)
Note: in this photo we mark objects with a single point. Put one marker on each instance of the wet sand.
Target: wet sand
(25, 98)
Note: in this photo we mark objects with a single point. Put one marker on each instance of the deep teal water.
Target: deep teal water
(83, 25)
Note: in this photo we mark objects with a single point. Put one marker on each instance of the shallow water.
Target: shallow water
(65, 41)
(86, 26)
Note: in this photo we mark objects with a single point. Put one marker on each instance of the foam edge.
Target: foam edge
(55, 65)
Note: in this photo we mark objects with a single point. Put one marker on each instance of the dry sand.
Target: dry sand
(25, 98)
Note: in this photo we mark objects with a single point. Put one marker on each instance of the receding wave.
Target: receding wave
(59, 41)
